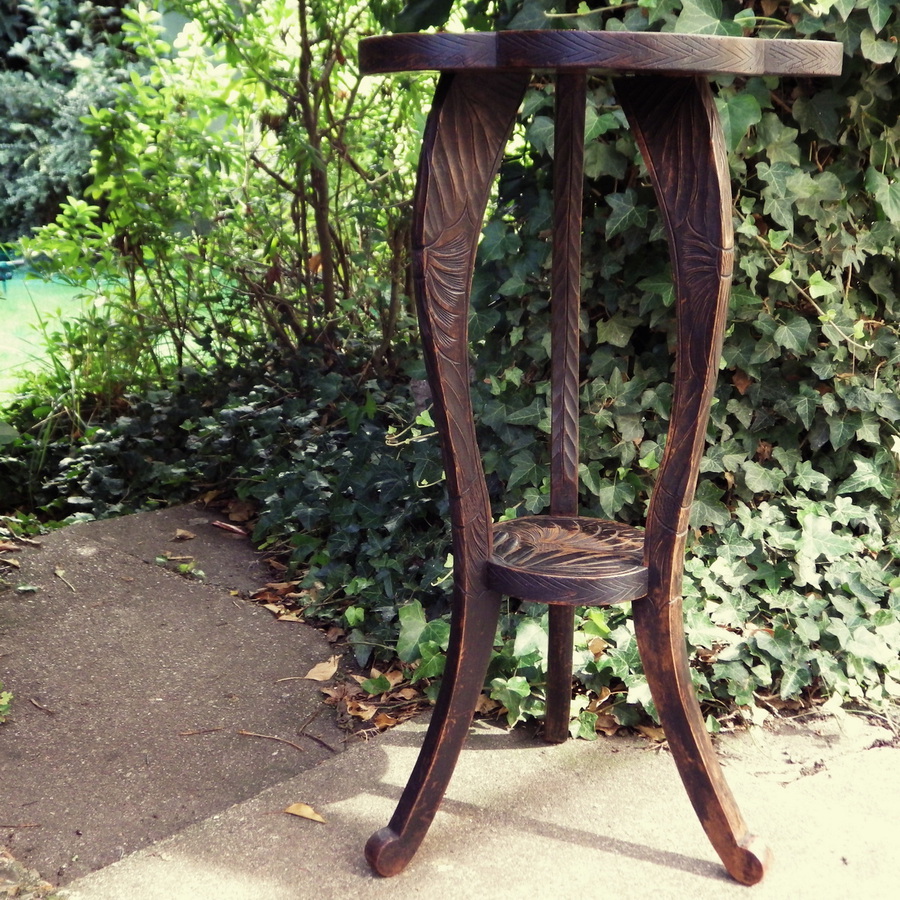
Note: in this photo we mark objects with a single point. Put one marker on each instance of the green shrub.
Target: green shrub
(58, 59)
(792, 580)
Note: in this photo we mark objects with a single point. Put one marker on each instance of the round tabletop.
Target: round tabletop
(604, 51)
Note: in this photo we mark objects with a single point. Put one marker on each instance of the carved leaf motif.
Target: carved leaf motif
(464, 141)
(571, 560)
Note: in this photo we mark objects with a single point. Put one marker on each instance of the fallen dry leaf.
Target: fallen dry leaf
(364, 711)
(275, 587)
(485, 705)
(607, 725)
(291, 617)
(304, 811)
(742, 381)
(227, 526)
(654, 732)
(8, 545)
(171, 557)
(241, 510)
(383, 721)
(410, 693)
(61, 575)
(182, 534)
(324, 670)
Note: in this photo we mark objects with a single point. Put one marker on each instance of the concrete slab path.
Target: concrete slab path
(132, 684)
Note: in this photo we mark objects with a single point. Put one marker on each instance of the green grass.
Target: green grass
(23, 301)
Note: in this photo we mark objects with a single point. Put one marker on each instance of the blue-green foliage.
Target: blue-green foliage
(58, 59)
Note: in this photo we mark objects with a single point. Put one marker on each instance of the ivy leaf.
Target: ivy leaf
(531, 17)
(817, 540)
(531, 638)
(868, 645)
(603, 159)
(819, 114)
(526, 415)
(498, 241)
(738, 114)
(879, 13)
(762, 480)
(540, 134)
(794, 333)
(819, 287)
(616, 330)
(412, 624)
(805, 405)
(842, 429)
(626, 213)
(7, 433)
(421, 14)
(878, 52)
(704, 17)
(867, 475)
(795, 676)
(613, 495)
(778, 200)
(887, 193)
(526, 470)
(778, 140)
(808, 479)
(511, 692)
(708, 508)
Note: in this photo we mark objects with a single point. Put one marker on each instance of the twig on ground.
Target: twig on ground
(271, 737)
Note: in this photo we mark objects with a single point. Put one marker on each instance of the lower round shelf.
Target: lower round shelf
(568, 559)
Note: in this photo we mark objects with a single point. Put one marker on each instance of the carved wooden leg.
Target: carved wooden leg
(560, 646)
(678, 132)
(660, 638)
(474, 627)
(568, 190)
(462, 147)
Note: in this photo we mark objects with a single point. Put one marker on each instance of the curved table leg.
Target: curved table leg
(463, 144)
(660, 637)
(677, 129)
(389, 850)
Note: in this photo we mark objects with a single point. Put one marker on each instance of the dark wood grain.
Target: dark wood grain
(570, 560)
(463, 143)
(565, 334)
(610, 51)
(680, 138)
(565, 559)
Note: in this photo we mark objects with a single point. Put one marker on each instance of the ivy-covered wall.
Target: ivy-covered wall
(792, 578)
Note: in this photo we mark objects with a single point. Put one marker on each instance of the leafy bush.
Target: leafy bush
(59, 59)
(792, 583)
(245, 197)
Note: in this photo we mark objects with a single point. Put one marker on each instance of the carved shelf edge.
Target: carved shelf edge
(568, 560)
(611, 51)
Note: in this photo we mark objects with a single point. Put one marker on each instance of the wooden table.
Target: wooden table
(566, 559)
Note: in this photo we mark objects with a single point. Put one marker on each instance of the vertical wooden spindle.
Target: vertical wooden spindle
(568, 176)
